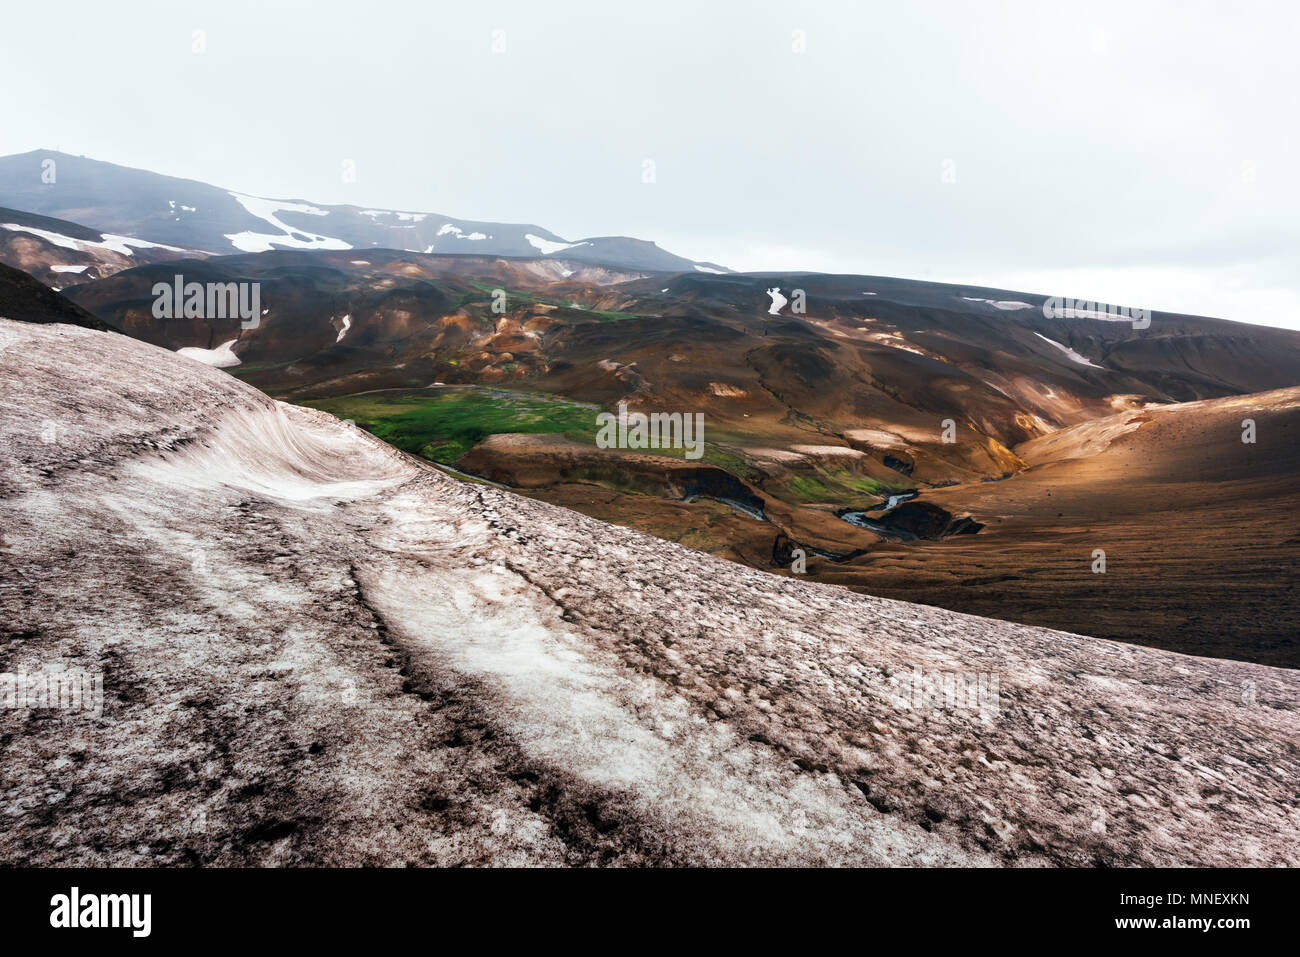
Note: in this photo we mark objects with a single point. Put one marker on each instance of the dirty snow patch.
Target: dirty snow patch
(221, 357)
(118, 244)
(546, 246)
(404, 217)
(1006, 305)
(1083, 361)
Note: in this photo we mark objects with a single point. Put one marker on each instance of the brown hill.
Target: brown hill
(1201, 533)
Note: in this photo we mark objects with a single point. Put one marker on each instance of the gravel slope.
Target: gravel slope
(315, 650)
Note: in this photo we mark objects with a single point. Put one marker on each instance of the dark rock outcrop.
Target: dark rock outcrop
(927, 520)
(24, 299)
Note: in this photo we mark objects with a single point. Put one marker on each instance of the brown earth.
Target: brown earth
(830, 412)
(1201, 534)
(1200, 530)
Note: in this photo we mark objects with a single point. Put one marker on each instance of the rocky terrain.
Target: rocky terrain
(316, 649)
(887, 432)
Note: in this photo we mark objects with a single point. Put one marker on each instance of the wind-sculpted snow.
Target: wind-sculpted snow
(317, 650)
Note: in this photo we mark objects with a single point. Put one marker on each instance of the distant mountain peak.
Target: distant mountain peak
(187, 213)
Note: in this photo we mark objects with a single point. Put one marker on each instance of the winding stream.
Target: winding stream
(895, 500)
(861, 520)
(731, 503)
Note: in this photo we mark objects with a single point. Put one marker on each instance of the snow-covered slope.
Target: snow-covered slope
(182, 212)
(62, 253)
(315, 649)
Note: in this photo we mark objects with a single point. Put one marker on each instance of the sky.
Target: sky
(1134, 153)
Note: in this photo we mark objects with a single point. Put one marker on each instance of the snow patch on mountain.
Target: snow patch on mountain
(1006, 305)
(403, 217)
(267, 210)
(110, 241)
(1074, 356)
(547, 246)
(222, 357)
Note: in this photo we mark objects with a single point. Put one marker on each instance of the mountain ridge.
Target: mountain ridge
(187, 212)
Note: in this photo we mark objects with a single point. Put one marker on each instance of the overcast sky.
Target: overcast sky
(1134, 153)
